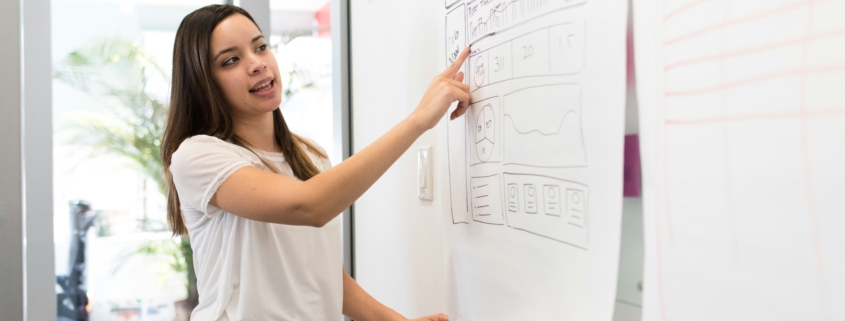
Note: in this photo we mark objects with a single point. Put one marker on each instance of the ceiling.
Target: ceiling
(297, 5)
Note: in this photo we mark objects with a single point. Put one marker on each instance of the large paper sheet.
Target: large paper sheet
(535, 166)
(742, 126)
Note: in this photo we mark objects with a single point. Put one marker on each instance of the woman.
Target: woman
(259, 202)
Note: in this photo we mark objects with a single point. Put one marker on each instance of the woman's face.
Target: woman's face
(244, 68)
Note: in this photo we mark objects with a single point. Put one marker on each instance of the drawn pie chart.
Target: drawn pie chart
(485, 133)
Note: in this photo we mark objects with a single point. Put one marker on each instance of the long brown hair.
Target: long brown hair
(197, 107)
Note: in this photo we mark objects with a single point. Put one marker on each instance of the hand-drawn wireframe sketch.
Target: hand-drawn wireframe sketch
(479, 70)
(482, 121)
(536, 126)
(554, 50)
(455, 32)
(486, 199)
(547, 206)
(450, 3)
(534, 179)
(542, 127)
(566, 48)
(458, 149)
(488, 17)
(455, 37)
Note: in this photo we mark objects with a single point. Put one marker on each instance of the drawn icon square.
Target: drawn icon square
(513, 198)
(552, 200)
(530, 198)
(575, 205)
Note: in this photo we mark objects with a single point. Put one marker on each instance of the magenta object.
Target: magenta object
(631, 175)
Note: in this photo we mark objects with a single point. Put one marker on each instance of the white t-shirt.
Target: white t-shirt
(250, 270)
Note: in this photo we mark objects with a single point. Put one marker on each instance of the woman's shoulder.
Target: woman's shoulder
(203, 146)
(317, 153)
(203, 139)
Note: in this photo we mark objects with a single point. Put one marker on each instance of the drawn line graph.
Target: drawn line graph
(556, 132)
(498, 18)
(542, 127)
(505, 14)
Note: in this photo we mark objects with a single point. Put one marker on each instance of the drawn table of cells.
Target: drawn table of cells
(522, 130)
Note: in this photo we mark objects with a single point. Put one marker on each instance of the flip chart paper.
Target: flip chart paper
(535, 165)
(742, 127)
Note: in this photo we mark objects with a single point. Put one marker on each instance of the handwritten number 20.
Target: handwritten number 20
(528, 51)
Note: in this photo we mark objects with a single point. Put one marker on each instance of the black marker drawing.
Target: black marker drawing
(542, 127)
(551, 51)
(491, 16)
(483, 124)
(523, 126)
(547, 206)
(455, 32)
(456, 143)
(486, 199)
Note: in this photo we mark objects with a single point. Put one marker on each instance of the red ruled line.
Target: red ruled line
(753, 50)
(683, 8)
(746, 19)
(756, 79)
(794, 114)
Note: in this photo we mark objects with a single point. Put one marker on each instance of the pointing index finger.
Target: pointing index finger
(455, 66)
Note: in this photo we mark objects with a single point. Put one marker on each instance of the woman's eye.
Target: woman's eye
(230, 61)
(262, 47)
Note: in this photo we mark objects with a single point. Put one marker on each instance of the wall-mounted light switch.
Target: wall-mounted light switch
(424, 173)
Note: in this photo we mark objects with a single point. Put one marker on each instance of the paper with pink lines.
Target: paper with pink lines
(742, 120)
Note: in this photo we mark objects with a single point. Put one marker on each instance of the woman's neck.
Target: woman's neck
(258, 132)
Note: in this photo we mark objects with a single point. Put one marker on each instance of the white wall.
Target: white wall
(398, 237)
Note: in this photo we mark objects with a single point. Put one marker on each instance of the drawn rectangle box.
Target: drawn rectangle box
(542, 127)
(575, 200)
(513, 197)
(455, 31)
(478, 70)
(530, 192)
(485, 196)
(550, 207)
(458, 152)
(531, 54)
(483, 120)
(552, 200)
(501, 63)
(566, 48)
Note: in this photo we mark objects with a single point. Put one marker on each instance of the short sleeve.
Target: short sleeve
(199, 166)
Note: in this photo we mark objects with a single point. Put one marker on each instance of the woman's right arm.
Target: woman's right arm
(263, 196)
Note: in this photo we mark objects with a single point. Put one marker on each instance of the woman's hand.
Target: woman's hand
(444, 89)
(434, 317)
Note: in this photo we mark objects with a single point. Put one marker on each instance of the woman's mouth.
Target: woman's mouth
(264, 86)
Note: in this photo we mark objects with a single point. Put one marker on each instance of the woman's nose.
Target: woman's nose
(256, 65)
